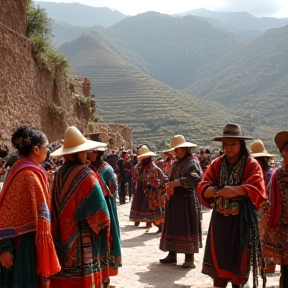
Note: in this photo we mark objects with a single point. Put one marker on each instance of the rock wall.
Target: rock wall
(32, 96)
(13, 15)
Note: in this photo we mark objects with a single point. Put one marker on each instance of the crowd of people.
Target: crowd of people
(58, 207)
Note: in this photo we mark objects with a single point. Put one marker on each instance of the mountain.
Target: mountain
(248, 77)
(63, 32)
(81, 15)
(254, 80)
(170, 49)
(240, 20)
(153, 110)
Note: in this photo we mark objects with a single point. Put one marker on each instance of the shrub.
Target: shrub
(39, 30)
(54, 110)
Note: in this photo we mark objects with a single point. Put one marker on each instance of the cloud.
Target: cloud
(257, 8)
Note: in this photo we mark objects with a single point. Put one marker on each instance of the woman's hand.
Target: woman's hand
(229, 192)
(6, 259)
(169, 190)
(173, 184)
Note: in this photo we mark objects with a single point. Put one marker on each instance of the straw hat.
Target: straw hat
(232, 131)
(101, 148)
(281, 139)
(178, 141)
(257, 149)
(144, 152)
(75, 142)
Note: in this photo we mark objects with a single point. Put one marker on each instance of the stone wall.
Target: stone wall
(119, 135)
(32, 96)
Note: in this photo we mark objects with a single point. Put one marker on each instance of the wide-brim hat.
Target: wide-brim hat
(281, 139)
(144, 152)
(257, 149)
(101, 148)
(232, 131)
(75, 142)
(178, 141)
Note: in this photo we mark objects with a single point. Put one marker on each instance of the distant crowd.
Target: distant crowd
(58, 207)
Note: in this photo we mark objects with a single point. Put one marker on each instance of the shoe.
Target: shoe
(189, 264)
(160, 228)
(148, 225)
(169, 259)
(189, 261)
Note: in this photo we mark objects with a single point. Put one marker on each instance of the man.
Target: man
(125, 180)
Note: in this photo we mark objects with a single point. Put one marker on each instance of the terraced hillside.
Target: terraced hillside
(124, 94)
(253, 80)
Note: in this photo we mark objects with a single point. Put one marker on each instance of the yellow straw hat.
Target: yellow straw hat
(257, 149)
(178, 141)
(144, 152)
(75, 142)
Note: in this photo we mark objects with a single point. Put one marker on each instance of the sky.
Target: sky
(258, 8)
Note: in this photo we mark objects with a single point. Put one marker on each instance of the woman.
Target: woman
(80, 218)
(168, 161)
(146, 204)
(257, 150)
(108, 184)
(275, 242)
(27, 253)
(182, 226)
(234, 183)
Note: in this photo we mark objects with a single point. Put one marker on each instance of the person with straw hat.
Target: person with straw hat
(276, 237)
(258, 151)
(80, 217)
(150, 188)
(108, 182)
(182, 226)
(234, 183)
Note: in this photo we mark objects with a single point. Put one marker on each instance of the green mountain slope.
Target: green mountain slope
(249, 74)
(124, 94)
(254, 81)
(172, 49)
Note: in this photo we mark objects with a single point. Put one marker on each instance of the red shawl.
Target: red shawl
(24, 208)
(252, 181)
(275, 199)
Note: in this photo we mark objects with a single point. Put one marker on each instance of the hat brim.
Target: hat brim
(86, 146)
(100, 149)
(183, 145)
(262, 154)
(221, 138)
(150, 153)
(281, 139)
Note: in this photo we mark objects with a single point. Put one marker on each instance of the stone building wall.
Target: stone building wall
(119, 135)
